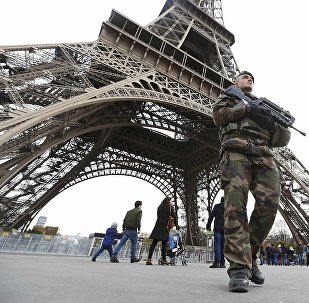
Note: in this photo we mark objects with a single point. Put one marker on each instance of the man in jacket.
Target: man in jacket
(131, 226)
(247, 134)
(218, 214)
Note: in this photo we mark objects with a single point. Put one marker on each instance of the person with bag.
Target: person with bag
(165, 220)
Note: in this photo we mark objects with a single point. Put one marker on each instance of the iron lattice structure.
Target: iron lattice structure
(136, 102)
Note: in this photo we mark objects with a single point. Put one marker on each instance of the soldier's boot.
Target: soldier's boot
(239, 282)
(257, 276)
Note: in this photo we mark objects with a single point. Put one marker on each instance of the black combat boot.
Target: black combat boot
(257, 276)
(239, 282)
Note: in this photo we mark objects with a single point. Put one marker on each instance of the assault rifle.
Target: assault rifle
(279, 115)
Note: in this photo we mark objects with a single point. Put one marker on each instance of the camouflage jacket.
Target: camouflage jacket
(240, 133)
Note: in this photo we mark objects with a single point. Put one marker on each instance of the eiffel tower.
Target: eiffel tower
(136, 102)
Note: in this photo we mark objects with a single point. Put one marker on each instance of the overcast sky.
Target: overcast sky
(271, 42)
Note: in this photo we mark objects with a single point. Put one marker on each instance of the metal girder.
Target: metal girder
(137, 102)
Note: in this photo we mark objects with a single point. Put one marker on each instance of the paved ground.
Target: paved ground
(26, 278)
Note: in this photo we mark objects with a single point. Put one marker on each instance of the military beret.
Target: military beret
(244, 72)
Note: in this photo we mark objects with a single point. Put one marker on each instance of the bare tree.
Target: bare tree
(281, 232)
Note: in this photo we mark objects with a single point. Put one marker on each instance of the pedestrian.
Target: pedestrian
(276, 254)
(218, 214)
(161, 229)
(307, 253)
(107, 244)
(279, 254)
(284, 253)
(247, 135)
(131, 227)
(300, 253)
(291, 256)
(269, 250)
(261, 255)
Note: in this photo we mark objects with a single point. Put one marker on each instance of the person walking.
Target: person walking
(247, 135)
(269, 250)
(131, 226)
(300, 253)
(276, 254)
(279, 250)
(161, 229)
(291, 254)
(284, 253)
(218, 214)
(107, 244)
(261, 255)
(306, 249)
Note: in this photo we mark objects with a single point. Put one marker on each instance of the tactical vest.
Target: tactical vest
(246, 136)
(247, 129)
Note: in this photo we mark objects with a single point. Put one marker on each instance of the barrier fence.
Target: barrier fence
(72, 246)
(44, 244)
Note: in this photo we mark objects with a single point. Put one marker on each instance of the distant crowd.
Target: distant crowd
(284, 255)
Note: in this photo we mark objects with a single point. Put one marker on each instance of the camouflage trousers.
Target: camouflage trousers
(240, 174)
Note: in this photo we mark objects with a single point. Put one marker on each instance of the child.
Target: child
(109, 238)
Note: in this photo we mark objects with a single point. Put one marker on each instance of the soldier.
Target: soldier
(247, 134)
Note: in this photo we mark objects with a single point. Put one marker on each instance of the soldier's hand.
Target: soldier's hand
(261, 116)
(270, 124)
(252, 110)
(256, 111)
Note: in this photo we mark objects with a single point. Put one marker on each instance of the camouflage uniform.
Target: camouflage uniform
(246, 164)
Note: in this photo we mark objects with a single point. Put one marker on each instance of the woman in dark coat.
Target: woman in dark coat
(160, 231)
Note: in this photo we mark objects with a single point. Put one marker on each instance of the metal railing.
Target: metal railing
(44, 244)
(59, 245)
